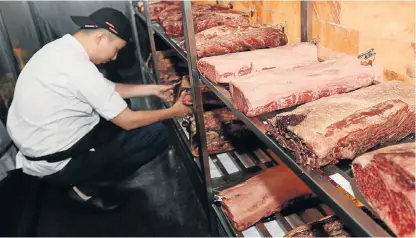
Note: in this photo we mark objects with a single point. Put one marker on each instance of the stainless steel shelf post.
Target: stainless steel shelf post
(137, 42)
(152, 42)
(197, 105)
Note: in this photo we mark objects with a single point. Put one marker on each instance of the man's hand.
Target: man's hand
(179, 109)
(165, 92)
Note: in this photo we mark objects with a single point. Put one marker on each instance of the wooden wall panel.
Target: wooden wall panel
(353, 27)
(327, 11)
(337, 37)
(287, 12)
(273, 12)
(383, 19)
(393, 54)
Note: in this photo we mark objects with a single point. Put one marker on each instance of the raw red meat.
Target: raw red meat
(386, 178)
(169, 11)
(271, 90)
(262, 195)
(215, 118)
(171, 68)
(345, 125)
(218, 18)
(175, 13)
(217, 31)
(204, 19)
(208, 97)
(155, 8)
(244, 39)
(218, 69)
(329, 226)
(210, 33)
(218, 140)
(221, 126)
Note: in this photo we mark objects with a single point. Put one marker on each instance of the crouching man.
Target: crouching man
(72, 125)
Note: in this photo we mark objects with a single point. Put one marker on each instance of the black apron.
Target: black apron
(102, 133)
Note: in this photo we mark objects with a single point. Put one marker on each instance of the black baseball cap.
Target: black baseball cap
(106, 18)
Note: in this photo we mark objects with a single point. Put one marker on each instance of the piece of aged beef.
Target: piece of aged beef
(171, 68)
(222, 128)
(329, 226)
(218, 69)
(386, 179)
(275, 89)
(345, 125)
(241, 39)
(262, 195)
(203, 21)
(156, 7)
(208, 97)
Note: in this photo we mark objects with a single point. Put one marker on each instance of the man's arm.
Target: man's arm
(135, 90)
(129, 119)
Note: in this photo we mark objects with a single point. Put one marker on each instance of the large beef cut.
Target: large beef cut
(209, 34)
(222, 128)
(329, 226)
(208, 97)
(271, 90)
(215, 119)
(218, 69)
(204, 19)
(261, 196)
(386, 178)
(174, 12)
(243, 38)
(156, 7)
(171, 68)
(345, 125)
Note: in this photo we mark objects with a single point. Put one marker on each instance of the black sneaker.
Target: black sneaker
(96, 202)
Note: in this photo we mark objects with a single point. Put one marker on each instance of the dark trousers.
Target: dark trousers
(114, 161)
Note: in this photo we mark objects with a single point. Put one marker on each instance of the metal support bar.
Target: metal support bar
(152, 42)
(224, 173)
(263, 230)
(237, 162)
(197, 106)
(306, 20)
(136, 41)
(283, 222)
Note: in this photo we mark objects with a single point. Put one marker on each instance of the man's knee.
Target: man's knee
(158, 132)
(145, 143)
(151, 135)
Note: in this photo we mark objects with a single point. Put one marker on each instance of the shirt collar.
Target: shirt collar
(76, 44)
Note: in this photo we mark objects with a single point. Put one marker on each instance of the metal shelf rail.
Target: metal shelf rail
(188, 29)
(197, 99)
(136, 39)
(327, 182)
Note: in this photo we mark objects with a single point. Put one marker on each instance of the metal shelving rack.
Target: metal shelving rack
(321, 181)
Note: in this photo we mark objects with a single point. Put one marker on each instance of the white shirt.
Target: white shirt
(58, 98)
